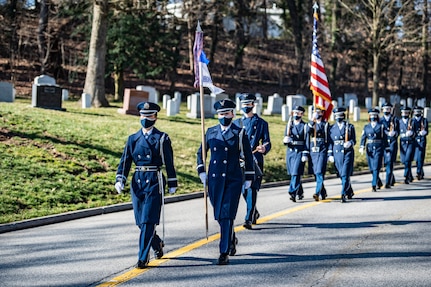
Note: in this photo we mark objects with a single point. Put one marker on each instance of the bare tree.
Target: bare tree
(95, 78)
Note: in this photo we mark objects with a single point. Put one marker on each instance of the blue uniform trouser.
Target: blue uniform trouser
(319, 182)
(408, 170)
(345, 184)
(420, 167)
(148, 238)
(250, 195)
(295, 181)
(390, 173)
(375, 174)
(226, 235)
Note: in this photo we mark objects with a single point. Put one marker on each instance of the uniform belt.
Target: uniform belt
(147, 168)
(374, 141)
(318, 139)
(298, 143)
(339, 142)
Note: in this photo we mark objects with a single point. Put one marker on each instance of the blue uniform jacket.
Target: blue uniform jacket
(406, 142)
(145, 187)
(391, 124)
(225, 176)
(343, 158)
(375, 141)
(419, 124)
(317, 142)
(258, 133)
(297, 148)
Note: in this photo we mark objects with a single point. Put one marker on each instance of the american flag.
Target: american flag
(201, 64)
(318, 81)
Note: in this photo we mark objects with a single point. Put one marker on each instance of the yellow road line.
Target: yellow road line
(173, 254)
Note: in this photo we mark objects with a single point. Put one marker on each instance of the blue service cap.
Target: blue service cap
(373, 111)
(298, 109)
(147, 108)
(339, 110)
(387, 105)
(247, 98)
(405, 108)
(224, 105)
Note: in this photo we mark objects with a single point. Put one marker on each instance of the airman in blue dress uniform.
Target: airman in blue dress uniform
(229, 145)
(258, 133)
(420, 128)
(342, 138)
(392, 131)
(374, 139)
(317, 142)
(149, 149)
(407, 137)
(296, 153)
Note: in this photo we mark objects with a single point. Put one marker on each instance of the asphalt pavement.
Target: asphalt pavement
(376, 239)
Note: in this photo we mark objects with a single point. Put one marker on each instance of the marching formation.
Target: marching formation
(237, 149)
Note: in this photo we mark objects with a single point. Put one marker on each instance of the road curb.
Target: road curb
(51, 219)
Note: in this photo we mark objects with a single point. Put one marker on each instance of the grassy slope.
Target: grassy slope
(55, 161)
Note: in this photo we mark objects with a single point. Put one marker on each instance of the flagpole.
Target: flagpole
(203, 144)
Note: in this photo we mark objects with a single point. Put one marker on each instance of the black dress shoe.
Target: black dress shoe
(387, 186)
(406, 181)
(300, 196)
(292, 197)
(316, 197)
(223, 259)
(247, 224)
(141, 264)
(343, 198)
(374, 188)
(158, 253)
(349, 196)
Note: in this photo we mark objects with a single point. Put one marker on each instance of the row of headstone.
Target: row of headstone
(134, 96)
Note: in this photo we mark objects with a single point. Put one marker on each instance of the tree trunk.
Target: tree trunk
(118, 85)
(41, 39)
(334, 40)
(376, 79)
(95, 78)
(425, 47)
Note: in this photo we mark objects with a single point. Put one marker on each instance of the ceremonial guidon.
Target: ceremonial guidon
(257, 131)
(296, 153)
(229, 146)
(420, 128)
(392, 130)
(342, 138)
(374, 141)
(407, 137)
(317, 141)
(149, 149)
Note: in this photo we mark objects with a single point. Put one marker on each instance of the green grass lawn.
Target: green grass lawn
(57, 161)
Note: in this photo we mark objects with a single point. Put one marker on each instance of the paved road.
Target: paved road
(377, 239)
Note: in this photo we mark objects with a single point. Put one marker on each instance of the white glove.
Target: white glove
(172, 190)
(331, 158)
(304, 158)
(409, 133)
(203, 177)
(287, 140)
(119, 186)
(361, 150)
(423, 133)
(247, 184)
(391, 133)
(347, 144)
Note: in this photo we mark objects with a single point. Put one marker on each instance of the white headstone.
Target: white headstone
(171, 107)
(296, 100)
(238, 101)
(352, 105)
(403, 102)
(394, 99)
(356, 114)
(427, 114)
(340, 101)
(368, 103)
(153, 94)
(274, 105)
(258, 104)
(44, 80)
(195, 111)
(382, 101)
(166, 98)
(7, 92)
(310, 113)
(348, 97)
(64, 94)
(410, 102)
(285, 113)
(421, 102)
(86, 100)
